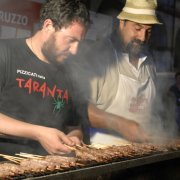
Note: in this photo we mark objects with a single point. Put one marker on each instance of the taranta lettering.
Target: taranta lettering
(44, 89)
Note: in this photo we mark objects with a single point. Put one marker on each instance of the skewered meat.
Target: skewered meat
(37, 165)
(85, 155)
(5, 174)
(48, 163)
(61, 159)
(10, 169)
(64, 161)
(110, 153)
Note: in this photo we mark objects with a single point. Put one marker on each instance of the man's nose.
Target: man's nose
(142, 36)
(74, 48)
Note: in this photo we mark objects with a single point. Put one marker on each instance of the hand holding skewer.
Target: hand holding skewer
(53, 140)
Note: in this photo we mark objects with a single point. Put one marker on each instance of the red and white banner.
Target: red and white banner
(18, 16)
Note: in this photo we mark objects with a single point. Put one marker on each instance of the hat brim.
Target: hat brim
(139, 18)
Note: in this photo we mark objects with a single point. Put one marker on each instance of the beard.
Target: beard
(52, 55)
(135, 48)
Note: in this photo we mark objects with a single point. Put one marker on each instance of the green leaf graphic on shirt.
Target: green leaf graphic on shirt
(58, 104)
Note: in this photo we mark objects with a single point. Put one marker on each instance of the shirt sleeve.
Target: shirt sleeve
(3, 61)
(78, 110)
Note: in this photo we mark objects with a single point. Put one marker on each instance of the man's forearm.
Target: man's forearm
(101, 119)
(129, 129)
(10, 126)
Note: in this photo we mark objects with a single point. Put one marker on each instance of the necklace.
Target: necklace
(39, 56)
(32, 49)
(31, 44)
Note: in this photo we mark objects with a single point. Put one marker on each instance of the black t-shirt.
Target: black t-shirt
(174, 89)
(32, 90)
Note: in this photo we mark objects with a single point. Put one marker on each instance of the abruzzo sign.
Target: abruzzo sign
(19, 14)
(13, 18)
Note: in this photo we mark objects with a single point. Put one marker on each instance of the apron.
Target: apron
(133, 101)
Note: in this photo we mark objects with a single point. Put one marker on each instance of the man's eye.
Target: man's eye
(138, 29)
(71, 40)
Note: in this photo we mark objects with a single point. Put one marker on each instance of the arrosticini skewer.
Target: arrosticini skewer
(53, 162)
(36, 164)
(27, 155)
(89, 155)
(165, 143)
(12, 158)
(8, 169)
(27, 164)
(72, 148)
(84, 156)
(30, 164)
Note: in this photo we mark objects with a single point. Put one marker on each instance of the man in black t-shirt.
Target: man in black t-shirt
(175, 91)
(36, 97)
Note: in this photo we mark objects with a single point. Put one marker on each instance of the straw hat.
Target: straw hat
(140, 11)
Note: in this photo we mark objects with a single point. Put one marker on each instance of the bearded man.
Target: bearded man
(36, 97)
(121, 76)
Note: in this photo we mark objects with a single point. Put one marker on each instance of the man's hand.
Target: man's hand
(132, 131)
(53, 140)
(75, 134)
(129, 129)
(75, 140)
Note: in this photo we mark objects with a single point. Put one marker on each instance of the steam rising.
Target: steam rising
(164, 116)
(84, 70)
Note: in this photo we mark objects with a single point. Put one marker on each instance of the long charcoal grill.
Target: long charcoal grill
(164, 163)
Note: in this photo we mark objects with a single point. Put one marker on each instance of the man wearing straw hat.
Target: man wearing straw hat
(122, 87)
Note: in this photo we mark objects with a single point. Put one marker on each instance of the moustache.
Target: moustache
(136, 46)
(137, 41)
(64, 53)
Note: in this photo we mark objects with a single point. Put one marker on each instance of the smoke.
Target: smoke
(164, 110)
(85, 69)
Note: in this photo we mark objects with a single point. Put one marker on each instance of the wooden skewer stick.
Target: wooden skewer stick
(71, 148)
(12, 158)
(35, 155)
(30, 155)
(79, 146)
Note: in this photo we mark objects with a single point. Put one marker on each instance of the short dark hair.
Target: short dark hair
(177, 74)
(64, 12)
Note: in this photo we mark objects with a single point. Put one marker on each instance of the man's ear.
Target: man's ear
(121, 24)
(48, 24)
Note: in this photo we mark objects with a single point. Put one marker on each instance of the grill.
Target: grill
(136, 162)
(146, 166)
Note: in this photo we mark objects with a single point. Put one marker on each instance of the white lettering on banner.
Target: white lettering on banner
(19, 71)
(13, 18)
